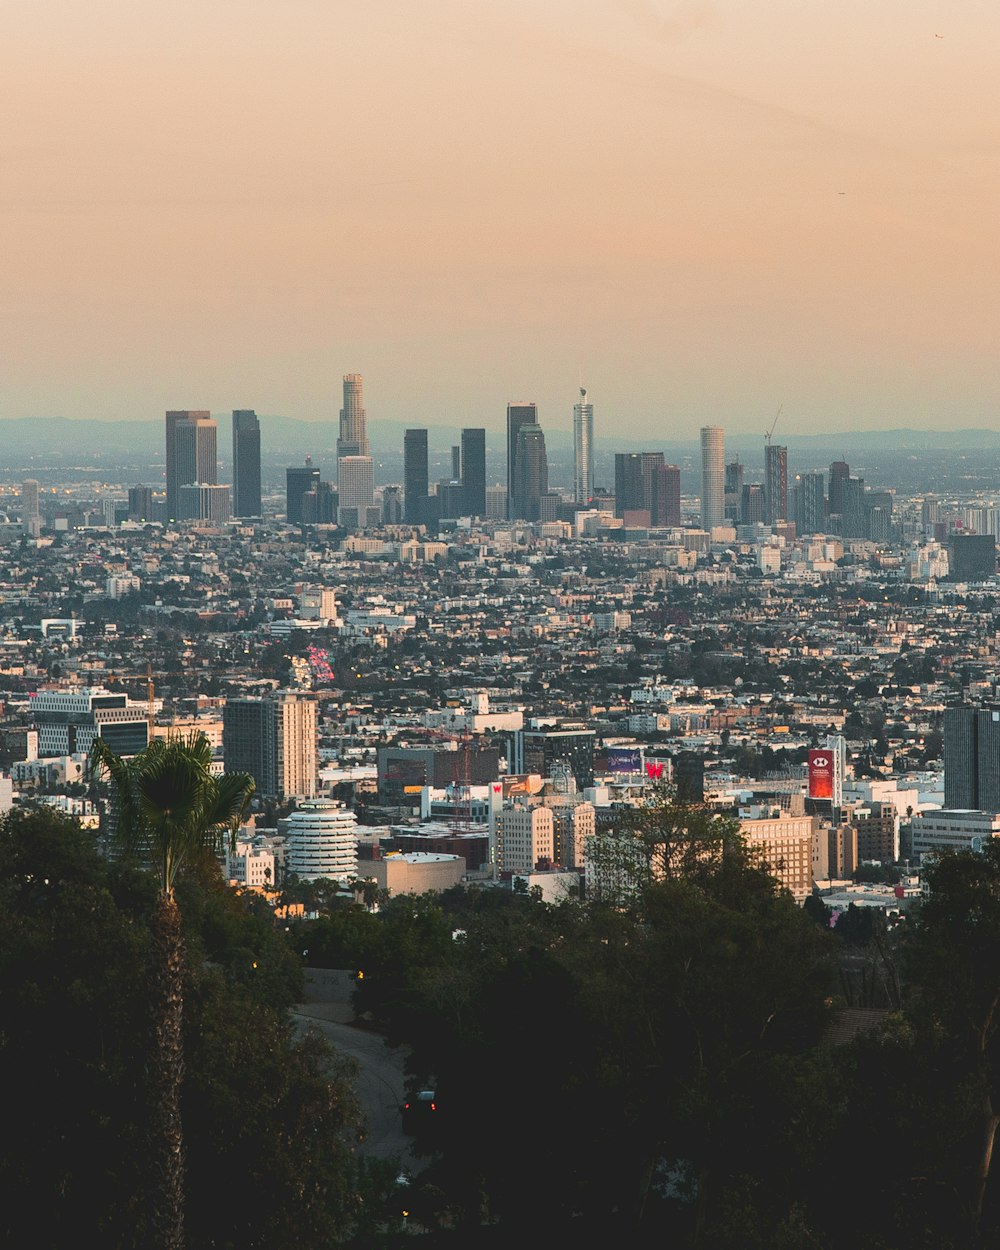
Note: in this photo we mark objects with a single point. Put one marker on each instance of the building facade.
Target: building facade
(246, 463)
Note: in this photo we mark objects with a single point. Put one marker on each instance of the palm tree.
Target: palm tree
(168, 809)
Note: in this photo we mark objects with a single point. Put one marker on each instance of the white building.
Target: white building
(955, 829)
(250, 865)
(520, 837)
(322, 841)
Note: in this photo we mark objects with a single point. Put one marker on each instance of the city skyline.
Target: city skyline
(816, 236)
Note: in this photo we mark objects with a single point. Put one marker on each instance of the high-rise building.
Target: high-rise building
(517, 416)
(629, 492)
(392, 505)
(531, 473)
(353, 439)
(298, 480)
(583, 449)
(355, 490)
(810, 509)
(473, 470)
(140, 503)
(775, 483)
(971, 747)
(713, 476)
(840, 471)
(752, 509)
(274, 740)
(416, 483)
(196, 453)
(246, 463)
(68, 721)
(734, 488)
(669, 495)
(852, 497)
(31, 517)
(173, 419)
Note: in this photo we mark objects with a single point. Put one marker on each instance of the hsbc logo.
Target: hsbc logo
(822, 761)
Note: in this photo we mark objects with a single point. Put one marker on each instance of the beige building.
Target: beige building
(415, 872)
(785, 848)
(521, 837)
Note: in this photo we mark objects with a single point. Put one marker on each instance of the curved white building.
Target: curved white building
(322, 841)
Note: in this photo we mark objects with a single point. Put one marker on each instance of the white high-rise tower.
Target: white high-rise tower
(713, 476)
(353, 440)
(583, 449)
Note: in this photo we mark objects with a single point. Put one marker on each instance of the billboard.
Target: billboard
(624, 760)
(821, 765)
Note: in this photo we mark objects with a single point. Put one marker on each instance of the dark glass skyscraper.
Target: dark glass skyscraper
(173, 419)
(298, 480)
(416, 483)
(775, 483)
(246, 463)
(531, 472)
(517, 416)
(474, 470)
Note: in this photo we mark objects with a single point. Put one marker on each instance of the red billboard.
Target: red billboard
(821, 774)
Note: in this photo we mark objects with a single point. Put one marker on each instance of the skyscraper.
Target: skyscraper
(353, 440)
(713, 476)
(355, 490)
(173, 417)
(196, 454)
(474, 470)
(840, 471)
(734, 487)
(583, 449)
(274, 740)
(298, 480)
(971, 745)
(246, 463)
(629, 493)
(776, 482)
(811, 511)
(670, 495)
(531, 480)
(416, 483)
(517, 415)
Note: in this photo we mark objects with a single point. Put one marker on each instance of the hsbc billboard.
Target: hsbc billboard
(821, 766)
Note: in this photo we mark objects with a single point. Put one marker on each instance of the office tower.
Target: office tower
(972, 759)
(629, 492)
(196, 457)
(298, 480)
(140, 503)
(355, 490)
(775, 483)
(496, 503)
(840, 471)
(852, 497)
(810, 513)
(518, 415)
(416, 486)
(734, 487)
(456, 464)
(972, 558)
(198, 502)
(539, 750)
(752, 508)
(583, 449)
(474, 470)
(173, 419)
(274, 740)
(29, 498)
(669, 495)
(353, 440)
(246, 463)
(531, 477)
(392, 505)
(69, 721)
(713, 476)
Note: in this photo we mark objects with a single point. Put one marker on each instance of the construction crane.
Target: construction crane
(770, 431)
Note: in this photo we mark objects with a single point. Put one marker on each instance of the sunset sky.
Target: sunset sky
(699, 210)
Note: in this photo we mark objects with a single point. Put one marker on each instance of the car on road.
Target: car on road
(420, 1112)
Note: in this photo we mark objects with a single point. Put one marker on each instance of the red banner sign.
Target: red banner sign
(821, 774)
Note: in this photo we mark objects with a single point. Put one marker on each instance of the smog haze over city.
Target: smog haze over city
(699, 210)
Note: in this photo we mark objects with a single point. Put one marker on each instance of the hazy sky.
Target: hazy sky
(700, 210)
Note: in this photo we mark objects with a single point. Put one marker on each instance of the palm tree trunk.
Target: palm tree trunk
(166, 1076)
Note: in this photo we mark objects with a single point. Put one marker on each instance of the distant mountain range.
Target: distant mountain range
(60, 441)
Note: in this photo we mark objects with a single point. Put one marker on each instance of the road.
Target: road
(380, 1080)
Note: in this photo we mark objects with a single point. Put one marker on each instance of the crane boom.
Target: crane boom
(767, 436)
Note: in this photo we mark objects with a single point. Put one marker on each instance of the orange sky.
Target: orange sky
(700, 210)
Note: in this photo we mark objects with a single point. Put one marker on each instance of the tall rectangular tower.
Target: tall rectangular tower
(776, 482)
(713, 476)
(246, 463)
(173, 418)
(196, 456)
(583, 449)
(416, 483)
(517, 415)
(531, 473)
(474, 470)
